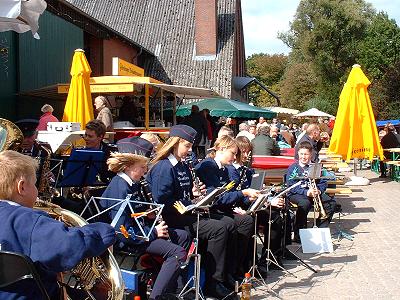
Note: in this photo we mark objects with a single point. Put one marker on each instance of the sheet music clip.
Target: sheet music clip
(136, 216)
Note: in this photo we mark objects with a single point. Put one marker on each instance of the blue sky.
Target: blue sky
(263, 19)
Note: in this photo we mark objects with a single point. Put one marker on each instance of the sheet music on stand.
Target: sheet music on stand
(314, 171)
(257, 204)
(82, 167)
(207, 200)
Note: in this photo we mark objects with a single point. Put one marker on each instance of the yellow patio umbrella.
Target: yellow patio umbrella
(79, 106)
(355, 134)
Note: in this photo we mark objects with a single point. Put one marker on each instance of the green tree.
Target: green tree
(327, 34)
(385, 94)
(380, 48)
(298, 85)
(268, 69)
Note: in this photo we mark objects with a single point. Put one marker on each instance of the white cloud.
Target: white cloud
(263, 19)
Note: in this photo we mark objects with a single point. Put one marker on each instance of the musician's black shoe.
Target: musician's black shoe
(276, 266)
(230, 282)
(217, 290)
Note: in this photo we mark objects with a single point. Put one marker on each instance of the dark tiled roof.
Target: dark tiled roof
(166, 28)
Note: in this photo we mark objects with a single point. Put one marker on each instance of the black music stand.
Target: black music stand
(198, 208)
(82, 168)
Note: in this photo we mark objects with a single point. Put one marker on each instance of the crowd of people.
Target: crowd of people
(225, 229)
(270, 136)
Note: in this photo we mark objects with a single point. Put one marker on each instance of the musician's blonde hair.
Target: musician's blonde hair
(224, 141)
(167, 149)
(118, 162)
(13, 167)
(152, 138)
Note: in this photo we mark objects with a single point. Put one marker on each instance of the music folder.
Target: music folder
(82, 167)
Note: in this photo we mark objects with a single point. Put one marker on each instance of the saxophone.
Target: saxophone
(100, 277)
(45, 190)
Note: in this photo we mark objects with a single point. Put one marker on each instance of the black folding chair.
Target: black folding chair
(15, 267)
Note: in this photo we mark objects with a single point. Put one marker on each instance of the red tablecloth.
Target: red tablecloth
(287, 152)
(271, 162)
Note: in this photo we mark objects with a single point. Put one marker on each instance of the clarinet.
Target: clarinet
(196, 180)
(145, 191)
(242, 178)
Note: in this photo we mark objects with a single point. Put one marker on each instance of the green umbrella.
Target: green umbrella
(227, 108)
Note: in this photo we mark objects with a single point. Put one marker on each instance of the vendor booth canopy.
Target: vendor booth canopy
(226, 108)
(384, 122)
(313, 112)
(282, 110)
(21, 15)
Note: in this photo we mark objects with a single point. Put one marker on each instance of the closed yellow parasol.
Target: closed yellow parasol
(79, 106)
(355, 134)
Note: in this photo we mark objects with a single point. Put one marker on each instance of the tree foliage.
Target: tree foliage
(268, 69)
(385, 94)
(380, 48)
(298, 85)
(326, 38)
(327, 34)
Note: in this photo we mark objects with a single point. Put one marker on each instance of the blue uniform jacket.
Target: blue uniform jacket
(169, 184)
(52, 246)
(295, 170)
(212, 176)
(119, 188)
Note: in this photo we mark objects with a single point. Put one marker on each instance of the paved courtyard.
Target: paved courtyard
(366, 268)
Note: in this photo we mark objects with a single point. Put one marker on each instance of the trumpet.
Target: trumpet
(317, 200)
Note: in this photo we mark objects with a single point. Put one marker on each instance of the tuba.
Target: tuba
(11, 136)
(100, 277)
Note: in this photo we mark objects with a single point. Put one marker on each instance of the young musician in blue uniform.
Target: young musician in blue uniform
(95, 130)
(303, 195)
(130, 168)
(52, 246)
(214, 174)
(171, 180)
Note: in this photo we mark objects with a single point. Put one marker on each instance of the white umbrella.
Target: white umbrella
(282, 110)
(21, 15)
(313, 112)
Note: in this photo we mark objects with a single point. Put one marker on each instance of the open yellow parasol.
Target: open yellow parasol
(355, 134)
(79, 106)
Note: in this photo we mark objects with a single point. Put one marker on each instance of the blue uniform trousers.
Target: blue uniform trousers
(304, 205)
(211, 231)
(240, 228)
(172, 252)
